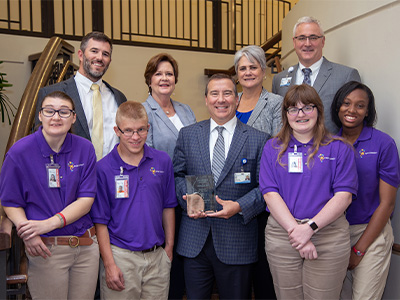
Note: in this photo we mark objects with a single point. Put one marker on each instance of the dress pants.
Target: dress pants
(233, 281)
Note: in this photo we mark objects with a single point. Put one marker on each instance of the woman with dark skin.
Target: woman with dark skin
(377, 159)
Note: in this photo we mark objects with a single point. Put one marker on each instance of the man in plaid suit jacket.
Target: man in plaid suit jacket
(221, 245)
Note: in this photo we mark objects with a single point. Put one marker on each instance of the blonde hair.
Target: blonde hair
(131, 110)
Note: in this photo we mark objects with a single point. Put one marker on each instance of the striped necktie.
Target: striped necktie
(218, 161)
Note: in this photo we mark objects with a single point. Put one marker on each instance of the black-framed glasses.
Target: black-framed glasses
(63, 112)
(311, 38)
(129, 133)
(294, 111)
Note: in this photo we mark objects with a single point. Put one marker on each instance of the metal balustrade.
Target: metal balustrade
(203, 25)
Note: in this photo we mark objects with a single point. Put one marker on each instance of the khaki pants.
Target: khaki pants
(298, 278)
(146, 275)
(368, 279)
(70, 273)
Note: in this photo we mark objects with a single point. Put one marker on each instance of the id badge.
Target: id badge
(242, 177)
(53, 175)
(121, 186)
(286, 81)
(295, 161)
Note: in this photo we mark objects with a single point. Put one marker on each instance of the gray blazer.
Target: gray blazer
(163, 133)
(68, 86)
(330, 78)
(266, 116)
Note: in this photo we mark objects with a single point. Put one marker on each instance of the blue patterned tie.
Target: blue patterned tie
(218, 161)
(307, 78)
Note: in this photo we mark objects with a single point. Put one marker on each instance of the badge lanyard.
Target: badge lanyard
(242, 177)
(121, 185)
(295, 161)
(53, 174)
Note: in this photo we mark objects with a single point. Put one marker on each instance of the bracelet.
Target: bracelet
(358, 252)
(62, 220)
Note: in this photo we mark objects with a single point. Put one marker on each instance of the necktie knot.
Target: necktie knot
(307, 73)
(95, 87)
(220, 129)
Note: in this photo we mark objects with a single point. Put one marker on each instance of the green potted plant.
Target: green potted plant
(5, 103)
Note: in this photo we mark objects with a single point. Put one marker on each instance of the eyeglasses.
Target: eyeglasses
(294, 111)
(129, 133)
(63, 112)
(311, 38)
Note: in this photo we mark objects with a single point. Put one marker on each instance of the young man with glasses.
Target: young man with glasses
(134, 212)
(313, 69)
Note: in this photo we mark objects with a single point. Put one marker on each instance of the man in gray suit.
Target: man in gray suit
(324, 76)
(95, 57)
(220, 245)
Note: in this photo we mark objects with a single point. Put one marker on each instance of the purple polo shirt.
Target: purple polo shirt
(135, 223)
(305, 194)
(24, 183)
(376, 158)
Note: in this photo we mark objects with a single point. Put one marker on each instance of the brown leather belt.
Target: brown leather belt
(72, 240)
(151, 249)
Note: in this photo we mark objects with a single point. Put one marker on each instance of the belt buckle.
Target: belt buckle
(71, 239)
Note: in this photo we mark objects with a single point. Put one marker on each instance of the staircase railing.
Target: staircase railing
(47, 68)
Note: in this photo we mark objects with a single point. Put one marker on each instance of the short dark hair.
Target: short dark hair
(221, 76)
(97, 36)
(343, 92)
(152, 67)
(59, 95)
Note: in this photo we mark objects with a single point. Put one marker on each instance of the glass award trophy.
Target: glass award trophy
(200, 194)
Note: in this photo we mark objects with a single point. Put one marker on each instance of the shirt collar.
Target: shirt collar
(365, 134)
(314, 68)
(293, 141)
(229, 126)
(86, 83)
(117, 162)
(45, 148)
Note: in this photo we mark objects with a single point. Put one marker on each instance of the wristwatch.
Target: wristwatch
(358, 252)
(313, 225)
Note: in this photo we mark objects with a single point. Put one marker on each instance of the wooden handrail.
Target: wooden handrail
(266, 46)
(26, 111)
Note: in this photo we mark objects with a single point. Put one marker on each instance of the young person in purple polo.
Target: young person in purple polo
(47, 187)
(377, 160)
(134, 212)
(308, 180)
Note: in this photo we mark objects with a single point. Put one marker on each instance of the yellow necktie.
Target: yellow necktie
(97, 130)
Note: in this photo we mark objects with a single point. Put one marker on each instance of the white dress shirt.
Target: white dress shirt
(227, 134)
(110, 107)
(314, 72)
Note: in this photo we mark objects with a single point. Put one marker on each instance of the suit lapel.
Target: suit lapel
(323, 75)
(204, 145)
(238, 140)
(116, 95)
(261, 103)
(72, 91)
(162, 116)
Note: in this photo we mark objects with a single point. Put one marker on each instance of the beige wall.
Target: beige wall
(363, 34)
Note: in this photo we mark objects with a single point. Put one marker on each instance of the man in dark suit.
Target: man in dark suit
(95, 57)
(220, 245)
(324, 76)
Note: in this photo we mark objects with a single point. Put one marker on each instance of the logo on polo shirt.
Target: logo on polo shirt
(71, 166)
(362, 152)
(154, 171)
(323, 157)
